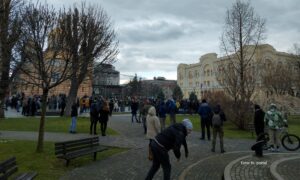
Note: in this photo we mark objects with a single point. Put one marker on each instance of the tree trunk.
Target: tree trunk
(40, 145)
(72, 97)
(2, 115)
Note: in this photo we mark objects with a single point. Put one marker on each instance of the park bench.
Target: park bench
(9, 167)
(76, 148)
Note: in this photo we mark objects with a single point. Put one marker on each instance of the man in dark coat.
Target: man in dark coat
(134, 108)
(94, 115)
(259, 120)
(205, 113)
(170, 138)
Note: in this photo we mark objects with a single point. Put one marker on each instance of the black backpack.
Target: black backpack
(216, 120)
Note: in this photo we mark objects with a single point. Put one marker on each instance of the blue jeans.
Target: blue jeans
(73, 124)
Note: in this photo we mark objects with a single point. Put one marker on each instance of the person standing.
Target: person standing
(104, 116)
(62, 105)
(172, 110)
(162, 114)
(205, 113)
(259, 124)
(94, 114)
(74, 114)
(134, 108)
(144, 114)
(275, 121)
(218, 119)
(171, 138)
(153, 124)
(111, 107)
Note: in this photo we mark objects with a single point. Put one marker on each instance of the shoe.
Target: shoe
(202, 138)
(277, 150)
(212, 150)
(223, 151)
(271, 149)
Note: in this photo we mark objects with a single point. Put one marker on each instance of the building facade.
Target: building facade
(167, 86)
(106, 81)
(202, 76)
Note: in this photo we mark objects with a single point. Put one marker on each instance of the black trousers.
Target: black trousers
(205, 123)
(103, 127)
(93, 125)
(160, 157)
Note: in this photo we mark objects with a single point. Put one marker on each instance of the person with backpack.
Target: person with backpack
(218, 119)
(205, 113)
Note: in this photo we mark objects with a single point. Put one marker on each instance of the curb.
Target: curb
(229, 166)
(274, 165)
(186, 170)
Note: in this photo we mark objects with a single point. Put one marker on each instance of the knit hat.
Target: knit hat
(188, 124)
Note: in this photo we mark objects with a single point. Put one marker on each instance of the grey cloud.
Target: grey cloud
(151, 31)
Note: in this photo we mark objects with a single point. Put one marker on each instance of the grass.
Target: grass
(45, 164)
(231, 131)
(52, 124)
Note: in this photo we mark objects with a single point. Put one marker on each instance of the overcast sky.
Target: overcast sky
(156, 35)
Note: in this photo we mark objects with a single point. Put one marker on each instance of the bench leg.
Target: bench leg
(95, 156)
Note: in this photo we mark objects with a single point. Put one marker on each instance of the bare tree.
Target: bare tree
(243, 32)
(89, 37)
(296, 65)
(44, 67)
(10, 34)
(275, 81)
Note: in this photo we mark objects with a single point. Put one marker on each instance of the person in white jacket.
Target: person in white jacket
(153, 124)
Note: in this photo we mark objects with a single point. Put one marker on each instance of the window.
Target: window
(55, 77)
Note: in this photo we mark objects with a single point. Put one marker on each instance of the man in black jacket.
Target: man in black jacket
(171, 138)
(259, 120)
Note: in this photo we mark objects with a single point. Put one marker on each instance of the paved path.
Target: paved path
(133, 164)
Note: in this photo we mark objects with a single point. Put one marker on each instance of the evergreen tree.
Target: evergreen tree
(177, 93)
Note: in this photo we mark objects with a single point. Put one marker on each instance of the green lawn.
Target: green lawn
(45, 164)
(231, 131)
(52, 124)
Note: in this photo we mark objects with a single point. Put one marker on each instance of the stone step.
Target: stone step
(252, 167)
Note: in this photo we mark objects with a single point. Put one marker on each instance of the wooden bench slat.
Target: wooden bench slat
(4, 165)
(75, 141)
(9, 167)
(26, 176)
(82, 152)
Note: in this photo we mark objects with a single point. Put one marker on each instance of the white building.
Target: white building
(201, 76)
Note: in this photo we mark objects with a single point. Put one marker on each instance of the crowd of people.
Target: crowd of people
(152, 114)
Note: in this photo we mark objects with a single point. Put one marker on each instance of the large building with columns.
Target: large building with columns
(201, 77)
